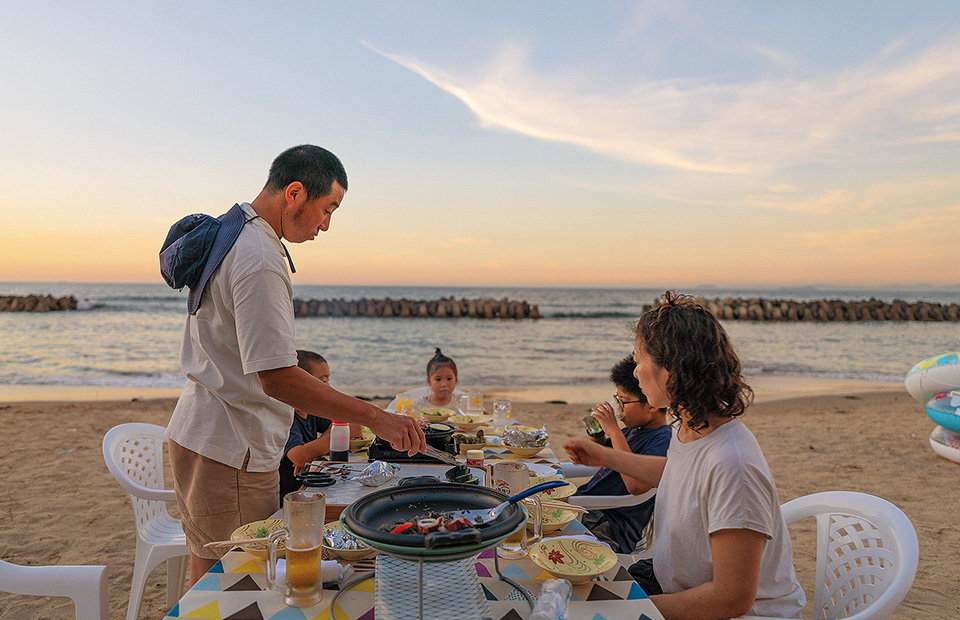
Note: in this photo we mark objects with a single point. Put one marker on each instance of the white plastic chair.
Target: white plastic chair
(867, 554)
(134, 455)
(85, 585)
(603, 502)
(424, 390)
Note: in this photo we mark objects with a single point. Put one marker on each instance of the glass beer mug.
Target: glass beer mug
(304, 513)
(511, 478)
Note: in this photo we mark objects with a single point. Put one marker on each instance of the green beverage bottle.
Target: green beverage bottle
(593, 426)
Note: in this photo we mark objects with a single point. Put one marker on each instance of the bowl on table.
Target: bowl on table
(359, 443)
(436, 414)
(552, 519)
(466, 422)
(556, 494)
(346, 554)
(259, 529)
(466, 447)
(575, 560)
(524, 450)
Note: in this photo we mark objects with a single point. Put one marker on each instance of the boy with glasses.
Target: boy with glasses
(645, 432)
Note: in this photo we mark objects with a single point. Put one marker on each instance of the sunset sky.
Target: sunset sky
(495, 143)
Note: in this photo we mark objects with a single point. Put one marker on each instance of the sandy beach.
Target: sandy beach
(59, 505)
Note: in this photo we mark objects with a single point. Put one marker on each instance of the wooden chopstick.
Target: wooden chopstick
(245, 541)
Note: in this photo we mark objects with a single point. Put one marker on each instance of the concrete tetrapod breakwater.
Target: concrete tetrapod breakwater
(446, 307)
(36, 303)
(760, 309)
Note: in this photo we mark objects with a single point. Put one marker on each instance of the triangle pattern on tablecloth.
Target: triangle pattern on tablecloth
(217, 568)
(513, 571)
(211, 583)
(487, 593)
(210, 611)
(482, 570)
(511, 615)
(622, 575)
(250, 612)
(370, 615)
(245, 583)
(248, 567)
(289, 613)
(599, 593)
(636, 592)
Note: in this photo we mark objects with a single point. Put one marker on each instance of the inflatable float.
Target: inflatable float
(944, 409)
(934, 375)
(946, 443)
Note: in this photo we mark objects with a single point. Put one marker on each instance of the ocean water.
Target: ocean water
(129, 335)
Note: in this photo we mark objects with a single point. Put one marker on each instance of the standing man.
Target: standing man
(228, 430)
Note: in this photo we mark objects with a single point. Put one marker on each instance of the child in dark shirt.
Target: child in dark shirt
(645, 432)
(309, 435)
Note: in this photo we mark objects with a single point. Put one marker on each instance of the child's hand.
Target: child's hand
(607, 417)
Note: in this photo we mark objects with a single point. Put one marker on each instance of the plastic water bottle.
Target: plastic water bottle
(340, 442)
(553, 600)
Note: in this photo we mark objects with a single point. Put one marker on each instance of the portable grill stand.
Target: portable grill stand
(527, 595)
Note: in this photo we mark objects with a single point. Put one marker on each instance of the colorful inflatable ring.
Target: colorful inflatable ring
(944, 409)
(934, 375)
(946, 443)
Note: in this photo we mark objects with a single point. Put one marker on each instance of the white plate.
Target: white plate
(538, 469)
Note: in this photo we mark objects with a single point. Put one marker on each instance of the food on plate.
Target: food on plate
(466, 438)
(436, 413)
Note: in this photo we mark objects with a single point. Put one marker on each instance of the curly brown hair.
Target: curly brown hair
(704, 379)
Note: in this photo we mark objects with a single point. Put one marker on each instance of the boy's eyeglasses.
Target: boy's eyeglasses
(616, 397)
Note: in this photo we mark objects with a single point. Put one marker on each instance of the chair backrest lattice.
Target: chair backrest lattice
(857, 568)
(136, 452)
(142, 460)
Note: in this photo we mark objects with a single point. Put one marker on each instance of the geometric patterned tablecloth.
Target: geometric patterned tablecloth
(235, 588)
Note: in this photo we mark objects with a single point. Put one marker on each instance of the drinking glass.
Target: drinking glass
(473, 403)
(403, 400)
(511, 478)
(303, 518)
(502, 412)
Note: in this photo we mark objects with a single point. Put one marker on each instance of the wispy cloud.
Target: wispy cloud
(706, 126)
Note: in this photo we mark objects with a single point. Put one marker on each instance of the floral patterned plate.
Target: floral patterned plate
(575, 560)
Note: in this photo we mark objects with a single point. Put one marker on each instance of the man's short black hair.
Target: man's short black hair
(314, 166)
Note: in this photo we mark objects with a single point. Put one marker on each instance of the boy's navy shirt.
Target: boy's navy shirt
(302, 430)
(627, 523)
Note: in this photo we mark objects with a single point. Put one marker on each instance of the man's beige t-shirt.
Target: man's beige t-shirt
(244, 325)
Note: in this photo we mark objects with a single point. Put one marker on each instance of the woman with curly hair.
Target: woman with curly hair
(722, 548)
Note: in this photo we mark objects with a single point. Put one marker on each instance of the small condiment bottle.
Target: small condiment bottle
(474, 458)
(340, 441)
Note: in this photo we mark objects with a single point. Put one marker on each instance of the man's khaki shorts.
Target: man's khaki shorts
(215, 499)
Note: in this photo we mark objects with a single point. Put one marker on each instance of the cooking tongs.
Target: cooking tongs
(481, 516)
(446, 457)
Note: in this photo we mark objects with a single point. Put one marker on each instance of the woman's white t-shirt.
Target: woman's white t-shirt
(721, 482)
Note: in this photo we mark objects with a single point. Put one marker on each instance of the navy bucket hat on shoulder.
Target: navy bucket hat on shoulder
(195, 247)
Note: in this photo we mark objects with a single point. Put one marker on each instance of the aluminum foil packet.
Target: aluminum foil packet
(536, 438)
(377, 473)
(336, 538)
